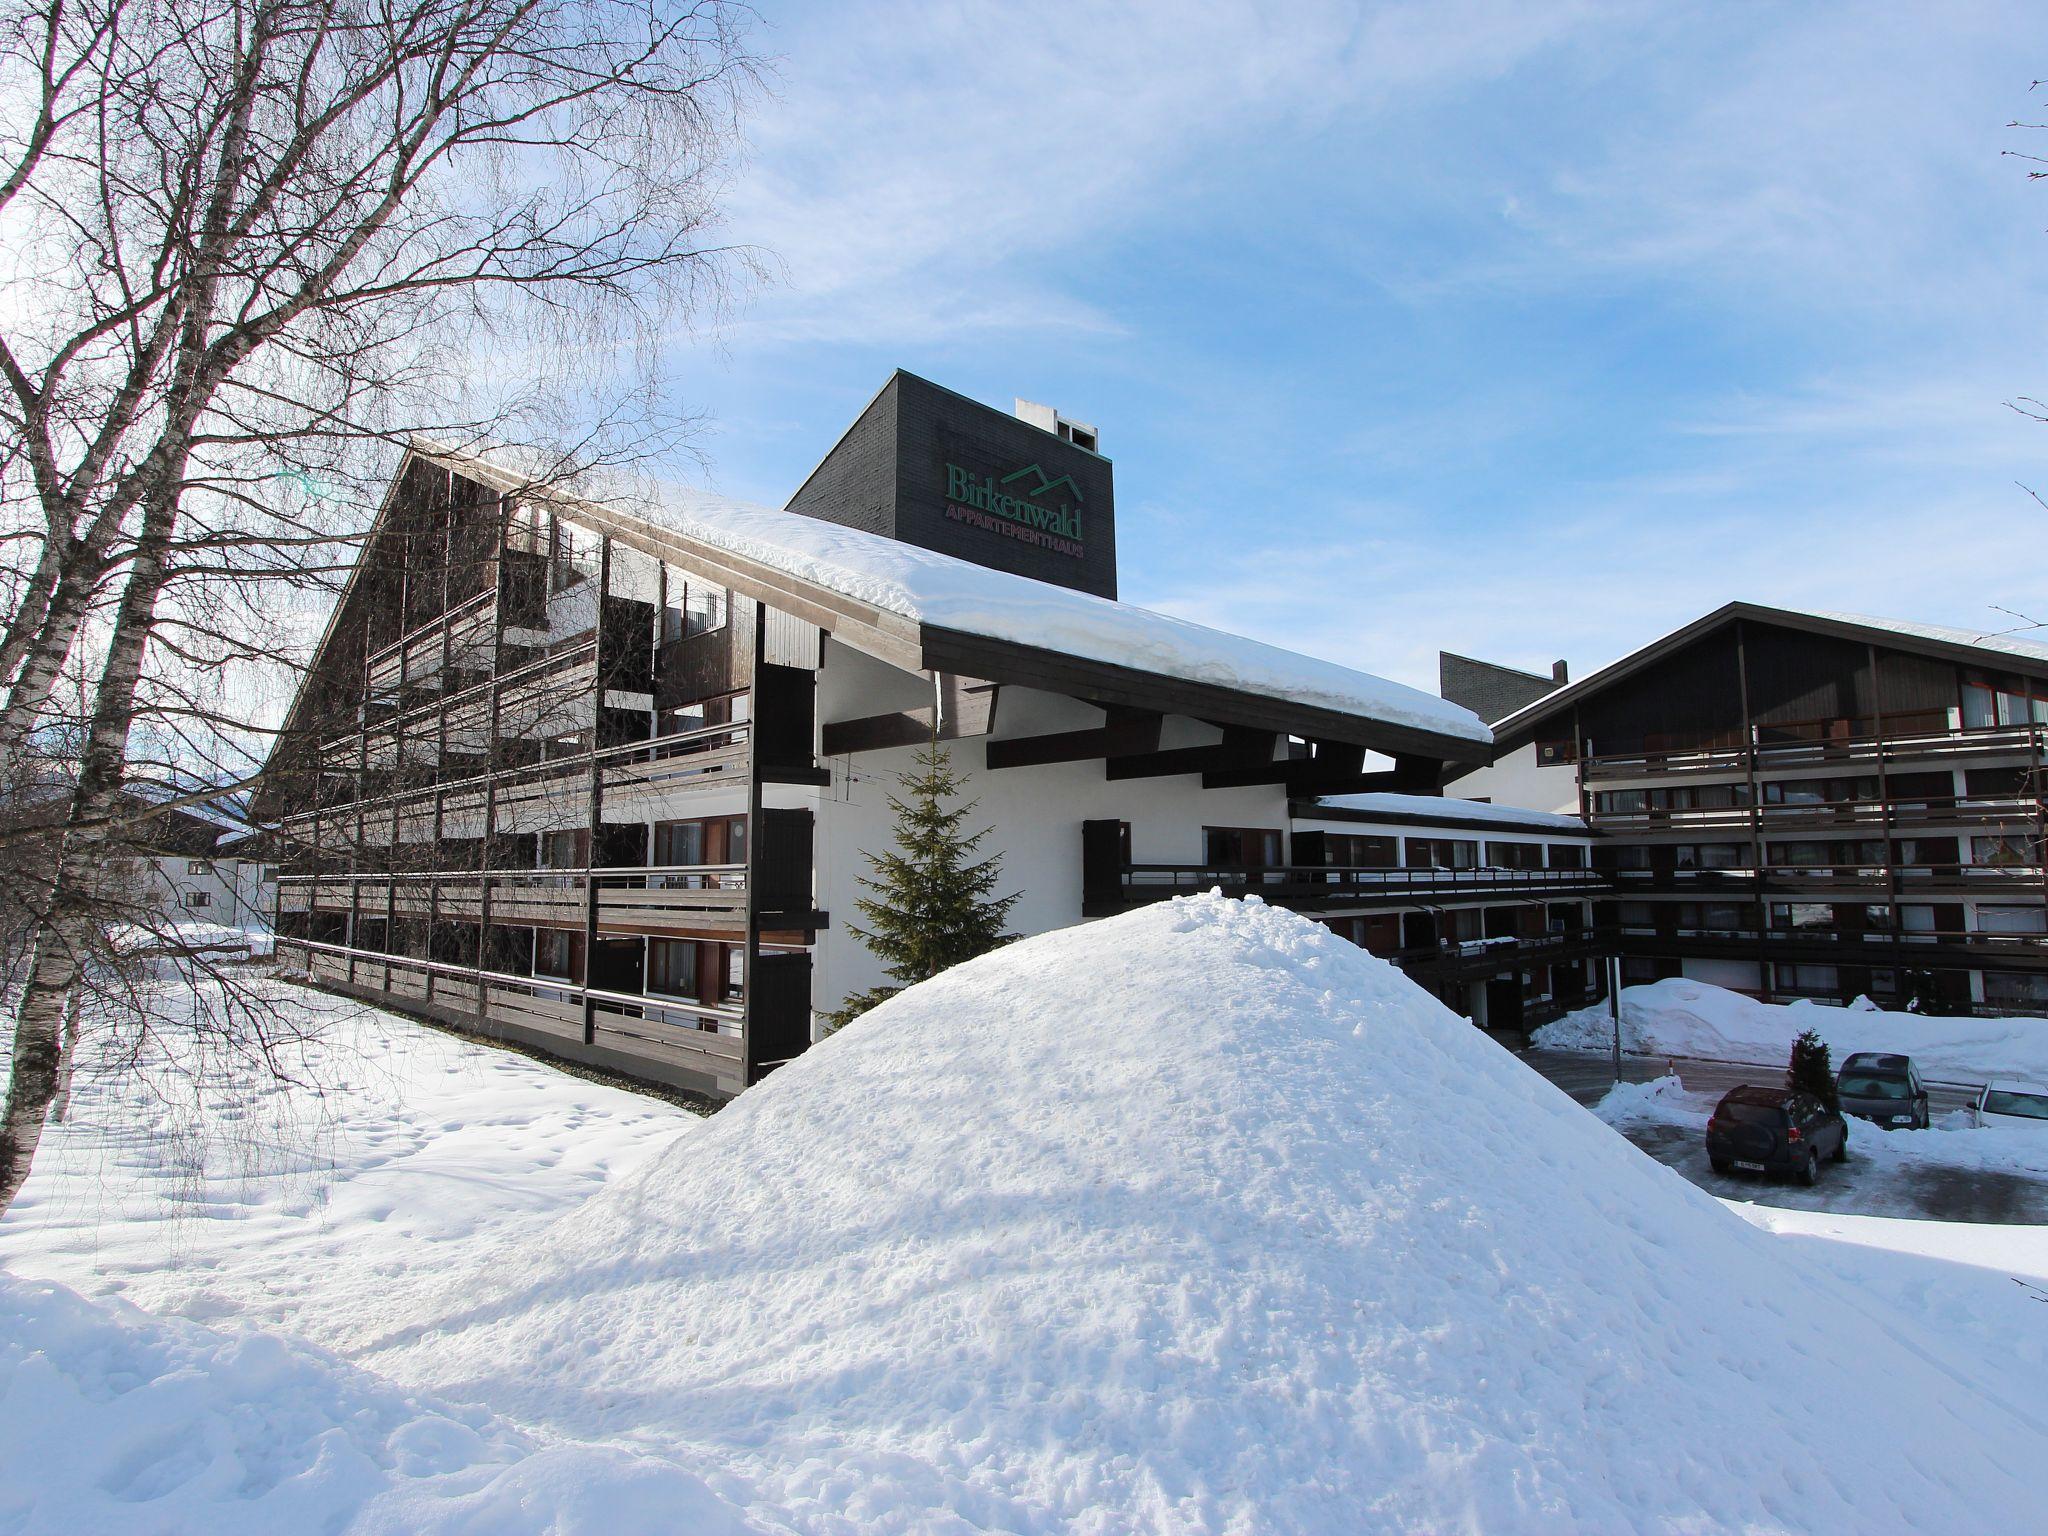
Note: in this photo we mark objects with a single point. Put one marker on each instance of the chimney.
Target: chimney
(1558, 674)
(1046, 419)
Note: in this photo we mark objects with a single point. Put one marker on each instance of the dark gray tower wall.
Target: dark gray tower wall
(1489, 690)
(933, 468)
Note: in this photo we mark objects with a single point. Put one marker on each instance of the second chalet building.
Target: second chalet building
(598, 771)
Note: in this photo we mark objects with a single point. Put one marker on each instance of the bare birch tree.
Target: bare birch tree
(252, 244)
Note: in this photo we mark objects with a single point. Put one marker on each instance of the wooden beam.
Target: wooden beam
(1125, 732)
(1103, 683)
(1338, 774)
(1328, 760)
(1240, 747)
(966, 707)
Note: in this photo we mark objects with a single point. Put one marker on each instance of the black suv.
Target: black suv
(1775, 1130)
(1883, 1087)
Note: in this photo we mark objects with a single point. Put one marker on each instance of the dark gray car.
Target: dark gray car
(1883, 1088)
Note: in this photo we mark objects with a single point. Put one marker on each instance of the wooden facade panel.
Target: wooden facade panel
(1696, 693)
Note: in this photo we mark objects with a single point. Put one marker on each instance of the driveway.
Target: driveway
(1927, 1193)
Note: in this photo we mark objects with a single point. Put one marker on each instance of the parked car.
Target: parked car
(1884, 1088)
(1775, 1130)
(2008, 1103)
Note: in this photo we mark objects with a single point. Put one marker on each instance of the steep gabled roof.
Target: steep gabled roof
(928, 611)
(1961, 645)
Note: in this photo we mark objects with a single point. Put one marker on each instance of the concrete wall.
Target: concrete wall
(1518, 779)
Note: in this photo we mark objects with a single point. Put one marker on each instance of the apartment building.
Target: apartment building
(1799, 804)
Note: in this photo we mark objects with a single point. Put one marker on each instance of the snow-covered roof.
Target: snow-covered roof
(222, 812)
(2014, 645)
(1449, 809)
(946, 592)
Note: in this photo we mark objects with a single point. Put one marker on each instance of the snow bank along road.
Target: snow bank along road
(1692, 1019)
(1196, 1220)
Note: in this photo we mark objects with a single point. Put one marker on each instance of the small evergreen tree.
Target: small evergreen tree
(931, 907)
(1811, 1071)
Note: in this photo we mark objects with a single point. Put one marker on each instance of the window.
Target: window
(1811, 916)
(2009, 851)
(555, 953)
(1240, 847)
(706, 840)
(562, 850)
(694, 607)
(1351, 851)
(732, 985)
(1515, 855)
(198, 899)
(576, 556)
(673, 968)
(1567, 856)
(1443, 853)
(2012, 919)
(198, 867)
(2030, 988)
(1813, 979)
(1927, 850)
(1621, 802)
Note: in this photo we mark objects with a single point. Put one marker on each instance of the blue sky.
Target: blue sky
(1520, 330)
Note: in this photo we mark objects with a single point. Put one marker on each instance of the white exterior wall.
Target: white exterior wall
(240, 893)
(1518, 779)
(1034, 814)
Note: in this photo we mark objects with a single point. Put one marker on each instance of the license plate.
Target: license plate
(1751, 1167)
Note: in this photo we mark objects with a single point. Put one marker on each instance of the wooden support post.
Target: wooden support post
(1756, 848)
(594, 792)
(750, 1063)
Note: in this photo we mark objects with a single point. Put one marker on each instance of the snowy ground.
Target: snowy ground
(1196, 1221)
(266, 1200)
(1691, 1018)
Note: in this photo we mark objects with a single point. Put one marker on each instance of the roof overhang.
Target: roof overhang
(1526, 724)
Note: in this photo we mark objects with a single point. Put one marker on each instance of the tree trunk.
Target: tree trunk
(67, 1065)
(63, 935)
(38, 1050)
(44, 651)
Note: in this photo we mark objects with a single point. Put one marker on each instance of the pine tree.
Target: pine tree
(931, 906)
(1811, 1071)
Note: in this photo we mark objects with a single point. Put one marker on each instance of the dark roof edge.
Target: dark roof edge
(1512, 731)
(1311, 810)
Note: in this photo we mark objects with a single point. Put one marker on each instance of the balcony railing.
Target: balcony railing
(700, 1035)
(630, 899)
(1320, 887)
(1839, 815)
(1785, 747)
(661, 765)
(1792, 881)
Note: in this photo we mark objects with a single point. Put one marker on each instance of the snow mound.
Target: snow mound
(112, 1421)
(1203, 1219)
(1675, 1017)
(1624, 1100)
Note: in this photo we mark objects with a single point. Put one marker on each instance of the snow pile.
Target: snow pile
(1626, 1100)
(1202, 1219)
(1675, 1017)
(111, 1420)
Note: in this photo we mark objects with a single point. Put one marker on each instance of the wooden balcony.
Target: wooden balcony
(676, 898)
(1781, 749)
(1330, 888)
(702, 1038)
